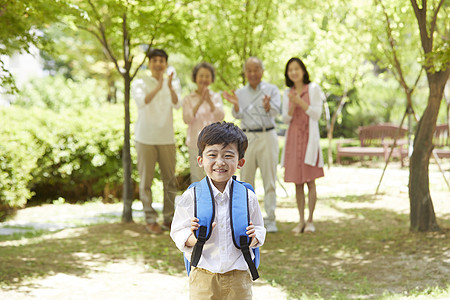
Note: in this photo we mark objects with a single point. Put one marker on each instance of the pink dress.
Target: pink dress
(296, 170)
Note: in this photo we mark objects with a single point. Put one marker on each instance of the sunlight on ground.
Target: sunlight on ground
(346, 184)
(342, 194)
(109, 282)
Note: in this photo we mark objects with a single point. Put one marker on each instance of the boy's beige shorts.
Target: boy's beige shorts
(232, 285)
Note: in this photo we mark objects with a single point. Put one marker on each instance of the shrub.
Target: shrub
(58, 93)
(17, 159)
(82, 152)
(67, 154)
(75, 154)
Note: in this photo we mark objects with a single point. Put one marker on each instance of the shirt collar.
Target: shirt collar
(226, 192)
(156, 80)
(258, 87)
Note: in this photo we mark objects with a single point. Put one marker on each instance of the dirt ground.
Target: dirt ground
(102, 281)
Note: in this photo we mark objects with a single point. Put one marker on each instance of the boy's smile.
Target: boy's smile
(220, 163)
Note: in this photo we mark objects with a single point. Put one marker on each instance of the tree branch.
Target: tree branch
(267, 17)
(149, 48)
(417, 80)
(223, 79)
(103, 39)
(126, 44)
(433, 21)
(391, 40)
(421, 16)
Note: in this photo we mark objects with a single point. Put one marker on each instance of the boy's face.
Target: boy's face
(220, 163)
(157, 65)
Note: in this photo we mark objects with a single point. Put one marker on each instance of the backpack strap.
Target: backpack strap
(205, 215)
(240, 219)
(248, 257)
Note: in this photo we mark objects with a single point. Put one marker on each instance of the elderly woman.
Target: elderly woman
(200, 108)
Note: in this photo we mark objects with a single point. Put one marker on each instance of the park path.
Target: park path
(117, 281)
(130, 279)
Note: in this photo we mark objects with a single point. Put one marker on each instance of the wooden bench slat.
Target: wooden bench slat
(441, 141)
(376, 140)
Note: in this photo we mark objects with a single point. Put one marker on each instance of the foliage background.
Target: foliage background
(64, 132)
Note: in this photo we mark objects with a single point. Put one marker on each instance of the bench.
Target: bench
(375, 141)
(441, 141)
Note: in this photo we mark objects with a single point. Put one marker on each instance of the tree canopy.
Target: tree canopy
(361, 53)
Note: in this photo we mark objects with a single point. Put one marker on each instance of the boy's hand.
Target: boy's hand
(192, 240)
(194, 225)
(252, 233)
(251, 230)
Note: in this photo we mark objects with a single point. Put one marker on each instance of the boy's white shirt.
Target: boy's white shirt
(219, 254)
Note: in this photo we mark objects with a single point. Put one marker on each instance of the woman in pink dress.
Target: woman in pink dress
(200, 108)
(303, 160)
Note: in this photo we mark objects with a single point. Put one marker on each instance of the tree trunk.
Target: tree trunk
(422, 216)
(127, 195)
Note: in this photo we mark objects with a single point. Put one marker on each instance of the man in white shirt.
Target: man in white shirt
(155, 97)
(257, 104)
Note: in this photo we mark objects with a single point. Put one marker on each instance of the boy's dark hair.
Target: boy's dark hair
(204, 65)
(306, 79)
(158, 52)
(222, 133)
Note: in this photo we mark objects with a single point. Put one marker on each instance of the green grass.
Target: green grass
(371, 255)
(366, 251)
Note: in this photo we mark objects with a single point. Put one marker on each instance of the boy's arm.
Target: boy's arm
(257, 221)
(180, 231)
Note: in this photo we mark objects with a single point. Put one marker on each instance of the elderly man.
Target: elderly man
(257, 104)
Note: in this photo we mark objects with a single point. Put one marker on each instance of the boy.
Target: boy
(155, 98)
(222, 271)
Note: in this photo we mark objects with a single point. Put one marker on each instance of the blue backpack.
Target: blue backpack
(204, 210)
